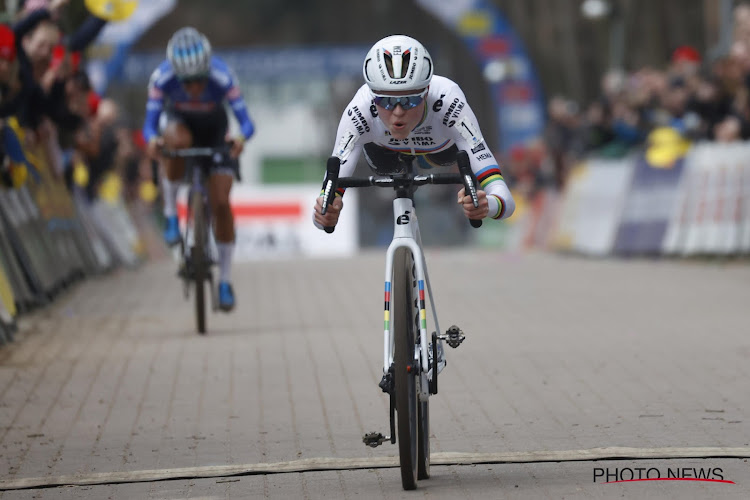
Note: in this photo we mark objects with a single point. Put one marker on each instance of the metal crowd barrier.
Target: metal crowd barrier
(51, 237)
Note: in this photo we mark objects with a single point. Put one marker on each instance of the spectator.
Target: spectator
(596, 131)
(10, 86)
(560, 135)
(699, 99)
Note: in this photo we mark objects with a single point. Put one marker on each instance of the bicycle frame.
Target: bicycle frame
(406, 234)
(197, 184)
(198, 162)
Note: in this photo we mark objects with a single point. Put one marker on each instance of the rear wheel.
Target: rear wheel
(406, 371)
(199, 259)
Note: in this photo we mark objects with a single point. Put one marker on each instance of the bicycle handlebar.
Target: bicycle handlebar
(465, 177)
(416, 180)
(195, 152)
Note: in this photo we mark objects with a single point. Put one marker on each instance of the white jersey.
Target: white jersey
(448, 121)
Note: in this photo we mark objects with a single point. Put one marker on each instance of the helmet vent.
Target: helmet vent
(397, 63)
(427, 69)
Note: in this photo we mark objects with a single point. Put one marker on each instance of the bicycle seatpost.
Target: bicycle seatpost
(329, 186)
(470, 182)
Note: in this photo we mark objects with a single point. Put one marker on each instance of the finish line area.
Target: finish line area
(343, 464)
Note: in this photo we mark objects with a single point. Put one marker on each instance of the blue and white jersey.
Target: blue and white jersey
(166, 91)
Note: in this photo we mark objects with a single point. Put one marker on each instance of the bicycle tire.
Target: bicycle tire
(405, 370)
(423, 406)
(199, 259)
(423, 439)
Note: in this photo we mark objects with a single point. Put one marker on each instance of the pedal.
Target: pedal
(454, 336)
(375, 439)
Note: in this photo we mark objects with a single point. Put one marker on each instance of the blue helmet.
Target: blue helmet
(189, 53)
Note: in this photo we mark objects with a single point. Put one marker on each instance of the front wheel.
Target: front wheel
(406, 369)
(199, 258)
(423, 438)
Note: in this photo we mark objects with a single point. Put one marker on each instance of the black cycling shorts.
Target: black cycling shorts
(209, 130)
(385, 161)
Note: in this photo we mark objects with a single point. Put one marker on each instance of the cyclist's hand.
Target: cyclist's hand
(477, 213)
(331, 218)
(154, 148)
(236, 145)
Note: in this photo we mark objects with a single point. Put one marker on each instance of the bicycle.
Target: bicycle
(411, 363)
(195, 255)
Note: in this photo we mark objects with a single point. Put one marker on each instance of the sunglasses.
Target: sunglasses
(389, 102)
(193, 79)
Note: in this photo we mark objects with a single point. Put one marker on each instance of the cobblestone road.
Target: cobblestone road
(563, 354)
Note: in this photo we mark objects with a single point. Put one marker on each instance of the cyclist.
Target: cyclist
(186, 96)
(405, 112)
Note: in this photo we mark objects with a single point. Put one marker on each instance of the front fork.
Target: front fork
(188, 241)
(419, 293)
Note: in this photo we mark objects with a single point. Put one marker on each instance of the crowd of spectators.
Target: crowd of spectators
(697, 96)
(45, 90)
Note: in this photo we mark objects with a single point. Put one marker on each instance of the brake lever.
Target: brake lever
(470, 182)
(329, 186)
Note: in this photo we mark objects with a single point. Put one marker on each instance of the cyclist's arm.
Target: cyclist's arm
(234, 97)
(347, 148)
(468, 137)
(348, 145)
(154, 106)
(227, 81)
(353, 132)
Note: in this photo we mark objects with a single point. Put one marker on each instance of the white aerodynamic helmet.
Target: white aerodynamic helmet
(189, 53)
(397, 62)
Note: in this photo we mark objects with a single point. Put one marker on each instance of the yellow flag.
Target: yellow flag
(665, 146)
(112, 10)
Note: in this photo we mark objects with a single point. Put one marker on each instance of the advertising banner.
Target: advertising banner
(745, 208)
(712, 216)
(601, 205)
(592, 206)
(651, 202)
(263, 65)
(275, 222)
(505, 65)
